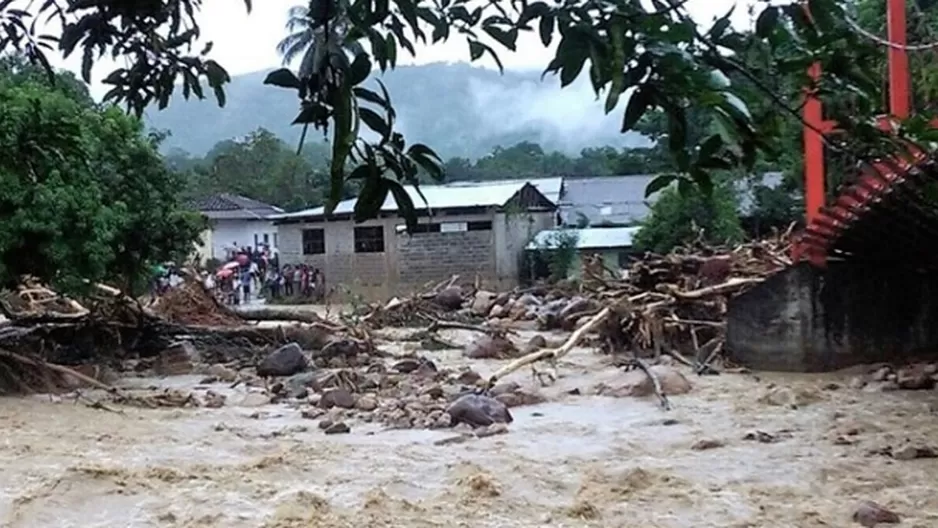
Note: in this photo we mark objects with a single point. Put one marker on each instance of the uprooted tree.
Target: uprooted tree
(86, 196)
(652, 53)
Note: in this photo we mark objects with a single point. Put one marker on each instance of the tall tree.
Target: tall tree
(86, 194)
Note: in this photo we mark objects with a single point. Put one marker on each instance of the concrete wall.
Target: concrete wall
(513, 231)
(409, 262)
(203, 247)
(808, 320)
(226, 232)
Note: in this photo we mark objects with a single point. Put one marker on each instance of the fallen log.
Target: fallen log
(551, 354)
(270, 313)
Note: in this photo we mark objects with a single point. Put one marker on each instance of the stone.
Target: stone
(312, 413)
(213, 400)
(498, 311)
(254, 399)
(636, 383)
(468, 377)
(706, 443)
(478, 411)
(177, 359)
(298, 385)
(534, 344)
(482, 303)
(341, 398)
(915, 377)
(881, 374)
(911, 452)
(406, 366)
(285, 361)
(449, 299)
(504, 387)
(367, 403)
(337, 428)
(869, 514)
(486, 346)
(222, 373)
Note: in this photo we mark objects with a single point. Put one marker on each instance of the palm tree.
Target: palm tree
(307, 38)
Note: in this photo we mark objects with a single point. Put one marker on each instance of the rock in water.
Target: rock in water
(489, 347)
(285, 361)
(869, 514)
(478, 411)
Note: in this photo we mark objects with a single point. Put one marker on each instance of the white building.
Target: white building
(235, 221)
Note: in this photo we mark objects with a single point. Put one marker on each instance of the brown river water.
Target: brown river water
(574, 461)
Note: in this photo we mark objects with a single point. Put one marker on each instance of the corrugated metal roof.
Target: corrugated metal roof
(613, 199)
(450, 195)
(233, 202)
(587, 238)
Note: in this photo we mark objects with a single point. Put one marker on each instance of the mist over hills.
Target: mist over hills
(457, 109)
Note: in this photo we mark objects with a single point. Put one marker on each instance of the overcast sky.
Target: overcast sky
(246, 43)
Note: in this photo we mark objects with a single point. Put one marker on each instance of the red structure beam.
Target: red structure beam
(816, 126)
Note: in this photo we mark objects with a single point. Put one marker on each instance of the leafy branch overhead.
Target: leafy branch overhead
(644, 59)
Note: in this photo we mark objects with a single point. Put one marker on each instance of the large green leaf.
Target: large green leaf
(283, 78)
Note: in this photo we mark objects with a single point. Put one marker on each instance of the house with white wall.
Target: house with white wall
(235, 221)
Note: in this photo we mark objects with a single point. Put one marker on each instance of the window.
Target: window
(255, 240)
(266, 239)
(483, 225)
(369, 239)
(275, 241)
(314, 241)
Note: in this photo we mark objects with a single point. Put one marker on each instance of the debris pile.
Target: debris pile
(663, 304)
(190, 304)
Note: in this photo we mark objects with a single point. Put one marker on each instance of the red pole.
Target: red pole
(898, 60)
(813, 113)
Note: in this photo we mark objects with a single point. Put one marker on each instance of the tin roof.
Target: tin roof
(450, 196)
(613, 199)
(587, 238)
(233, 206)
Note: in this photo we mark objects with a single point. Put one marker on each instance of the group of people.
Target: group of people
(257, 273)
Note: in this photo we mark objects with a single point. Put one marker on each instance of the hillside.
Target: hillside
(457, 109)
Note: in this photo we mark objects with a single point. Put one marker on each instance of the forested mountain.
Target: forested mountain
(457, 109)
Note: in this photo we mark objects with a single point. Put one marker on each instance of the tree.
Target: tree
(677, 216)
(652, 52)
(86, 194)
(260, 166)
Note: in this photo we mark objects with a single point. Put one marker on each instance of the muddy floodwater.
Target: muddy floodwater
(738, 451)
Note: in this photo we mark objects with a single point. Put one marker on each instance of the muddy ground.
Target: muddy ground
(739, 450)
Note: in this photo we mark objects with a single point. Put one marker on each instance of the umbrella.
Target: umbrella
(224, 273)
(229, 266)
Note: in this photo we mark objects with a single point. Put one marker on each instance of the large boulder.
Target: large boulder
(482, 303)
(285, 361)
(449, 299)
(478, 411)
(636, 383)
(486, 346)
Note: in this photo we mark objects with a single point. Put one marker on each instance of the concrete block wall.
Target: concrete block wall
(808, 320)
(427, 257)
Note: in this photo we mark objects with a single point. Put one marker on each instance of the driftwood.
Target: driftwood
(269, 313)
(551, 354)
(656, 383)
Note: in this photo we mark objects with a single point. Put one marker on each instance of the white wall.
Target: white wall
(227, 232)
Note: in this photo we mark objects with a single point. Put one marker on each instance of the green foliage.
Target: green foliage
(262, 167)
(677, 218)
(86, 195)
(559, 250)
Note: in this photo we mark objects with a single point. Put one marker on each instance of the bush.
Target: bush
(675, 219)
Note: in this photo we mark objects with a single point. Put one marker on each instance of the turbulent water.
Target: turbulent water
(574, 461)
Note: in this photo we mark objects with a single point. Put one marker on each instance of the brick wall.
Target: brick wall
(426, 257)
